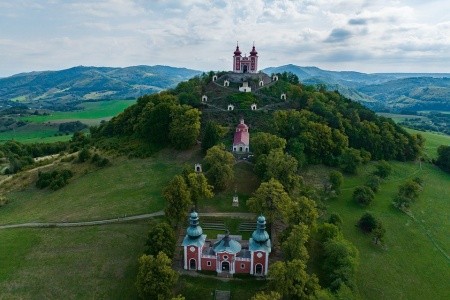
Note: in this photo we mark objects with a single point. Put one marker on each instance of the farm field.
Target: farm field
(43, 128)
(414, 263)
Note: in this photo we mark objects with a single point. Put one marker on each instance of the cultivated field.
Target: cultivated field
(43, 128)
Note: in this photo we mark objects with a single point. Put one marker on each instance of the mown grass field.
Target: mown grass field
(97, 262)
(43, 128)
(414, 263)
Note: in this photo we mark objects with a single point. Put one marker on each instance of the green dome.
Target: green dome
(228, 245)
(194, 230)
(260, 235)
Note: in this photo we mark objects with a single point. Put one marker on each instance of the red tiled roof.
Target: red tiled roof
(241, 137)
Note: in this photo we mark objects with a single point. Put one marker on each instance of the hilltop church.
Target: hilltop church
(245, 64)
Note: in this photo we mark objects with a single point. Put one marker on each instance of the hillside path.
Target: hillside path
(118, 220)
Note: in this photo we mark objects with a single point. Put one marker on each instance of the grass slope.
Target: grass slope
(71, 263)
(128, 187)
(414, 264)
(432, 141)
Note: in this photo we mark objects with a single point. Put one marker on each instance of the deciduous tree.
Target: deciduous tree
(199, 187)
(294, 247)
(178, 200)
(219, 167)
(161, 238)
(156, 278)
(185, 127)
(363, 195)
(271, 200)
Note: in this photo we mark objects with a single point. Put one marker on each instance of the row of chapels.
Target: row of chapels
(229, 253)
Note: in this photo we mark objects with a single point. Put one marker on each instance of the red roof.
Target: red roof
(241, 136)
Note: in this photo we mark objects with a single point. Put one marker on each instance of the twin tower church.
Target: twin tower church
(227, 253)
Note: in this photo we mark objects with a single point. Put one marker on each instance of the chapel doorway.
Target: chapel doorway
(225, 266)
(192, 264)
(245, 69)
(258, 269)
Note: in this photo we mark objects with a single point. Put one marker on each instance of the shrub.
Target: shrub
(383, 169)
(335, 219)
(55, 179)
(363, 195)
(373, 182)
(367, 223)
(84, 155)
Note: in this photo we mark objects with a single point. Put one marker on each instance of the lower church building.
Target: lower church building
(228, 253)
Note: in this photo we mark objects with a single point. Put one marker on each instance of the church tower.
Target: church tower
(260, 248)
(245, 64)
(193, 244)
(237, 60)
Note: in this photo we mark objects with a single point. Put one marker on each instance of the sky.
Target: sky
(366, 36)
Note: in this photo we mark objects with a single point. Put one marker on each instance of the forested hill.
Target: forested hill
(81, 83)
(317, 126)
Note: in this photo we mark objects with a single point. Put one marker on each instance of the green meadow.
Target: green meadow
(432, 141)
(42, 128)
(414, 264)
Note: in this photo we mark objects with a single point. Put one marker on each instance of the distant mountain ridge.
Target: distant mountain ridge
(381, 91)
(396, 92)
(45, 88)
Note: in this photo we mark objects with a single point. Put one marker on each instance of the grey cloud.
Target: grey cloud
(357, 21)
(338, 35)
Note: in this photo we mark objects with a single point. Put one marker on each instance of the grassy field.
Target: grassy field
(71, 263)
(415, 262)
(96, 111)
(128, 187)
(43, 128)
(34, 133)
(194, 288)
(432, 141)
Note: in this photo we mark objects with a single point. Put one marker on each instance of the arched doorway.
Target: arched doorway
(245, 69)
(225, 266)
(258, 269)
(192, 264)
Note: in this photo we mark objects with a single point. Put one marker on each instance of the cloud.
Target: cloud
(202, 34)
(357, 21)
(338, 35)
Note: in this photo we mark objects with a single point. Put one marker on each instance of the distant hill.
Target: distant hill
(81, 83)
(381, 91)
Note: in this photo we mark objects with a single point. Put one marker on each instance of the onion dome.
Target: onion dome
(241, 125)
(253, 52)
(194, 230)
(227, 244)
(260, 235)
(237, 52)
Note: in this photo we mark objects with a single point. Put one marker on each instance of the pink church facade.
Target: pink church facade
(227, 254)
(244, 64)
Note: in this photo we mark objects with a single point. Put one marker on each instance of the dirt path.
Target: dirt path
(117, 220)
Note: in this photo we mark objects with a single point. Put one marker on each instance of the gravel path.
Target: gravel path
(118, 220)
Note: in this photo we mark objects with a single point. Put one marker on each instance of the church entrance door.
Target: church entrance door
(192, 264)
(258, 269)
(245, 69)
(225, 266)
